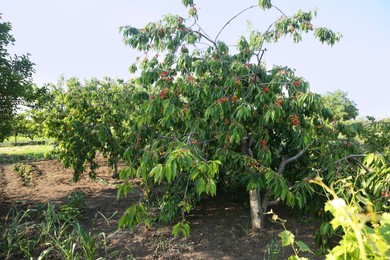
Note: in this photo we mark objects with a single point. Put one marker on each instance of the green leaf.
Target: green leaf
(265, 4)
(303, 247)
(287, 237)
(200, 186)
(211, 187)
(132, 216)
(181, 227)
(168, 172)
(369, 159)
(157, 173)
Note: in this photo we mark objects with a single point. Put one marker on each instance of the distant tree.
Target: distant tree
(15, 80)
(21, 125)
(340, 105)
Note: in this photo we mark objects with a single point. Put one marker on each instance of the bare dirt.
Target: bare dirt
(219, 226)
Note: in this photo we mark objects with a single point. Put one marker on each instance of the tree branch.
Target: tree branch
(361, 165)
(234, 17)
(280, 11)
(285, 161)
(349, 157)
(346, 158)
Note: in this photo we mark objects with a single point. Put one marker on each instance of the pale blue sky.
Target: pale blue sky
(80, 38)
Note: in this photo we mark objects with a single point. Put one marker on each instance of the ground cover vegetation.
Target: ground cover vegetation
(202, 117)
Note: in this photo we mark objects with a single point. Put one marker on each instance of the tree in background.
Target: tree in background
(21, 125)
(340, 105)
(15, 81)
(88, 118)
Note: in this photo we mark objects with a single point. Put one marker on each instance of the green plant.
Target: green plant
(25, 172)
(87, 242)
(274, 250)
(325, 235)
(13, 233)
(77, 200)
(365, 232)
(47, 232)
(246, 228)
(288, 239)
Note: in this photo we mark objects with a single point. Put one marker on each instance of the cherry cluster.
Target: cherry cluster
(294, 120)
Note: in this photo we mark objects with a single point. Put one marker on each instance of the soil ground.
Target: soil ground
(219, 226)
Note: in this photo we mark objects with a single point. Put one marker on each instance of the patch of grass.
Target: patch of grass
(23, 139)
(21, 153)
(45, 232)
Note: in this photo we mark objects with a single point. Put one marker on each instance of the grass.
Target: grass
(48, 232)
(13, 154)
(22, 139)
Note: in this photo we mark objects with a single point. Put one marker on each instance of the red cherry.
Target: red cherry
(297, 83)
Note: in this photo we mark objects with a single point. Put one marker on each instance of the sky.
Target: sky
(80, 38)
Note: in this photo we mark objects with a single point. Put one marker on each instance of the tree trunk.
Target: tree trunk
(115, 174)
(257, 214)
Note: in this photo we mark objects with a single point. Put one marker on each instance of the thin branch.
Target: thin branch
(234, 17)
(361, 165)
(280, 11)
(207, 141)
(349, 157)
(189, 138)
(346, 158)
(285, 161)
(261, 56)
(200, 29)
(167, 137)
(274, 202)
(204, 36)
(268, 29)
(214, 43)
(203, 159)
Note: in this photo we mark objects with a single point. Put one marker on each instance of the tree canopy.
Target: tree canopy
(212, 114)
(340, 105)
(15, 80)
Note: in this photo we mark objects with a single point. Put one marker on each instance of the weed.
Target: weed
(47, 232)
(77, 200)
(13, 233)
(25, 172)
(246, 227)
(273, 250)
(288, 239)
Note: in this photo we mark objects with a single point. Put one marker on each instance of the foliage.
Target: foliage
(340, 105)
(375, 135)
(288, 239)
(25, 172)
(45, 232)
(15, 80)
(22, 125)
(210, 114)
(356, 158)
(365, 230)
(90, 118)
